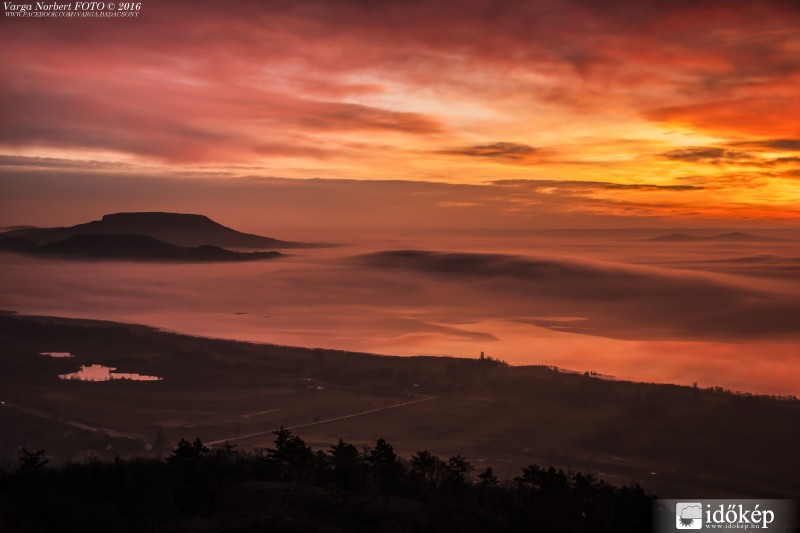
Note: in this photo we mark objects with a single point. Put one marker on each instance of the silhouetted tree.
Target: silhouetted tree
(32, 461)
(426, 470)
(186, 450)
(424, 463)
(536, 479)
(384, 466)
(213, 489)
(290, 454)
(488, 478)
(457, 469)
(347, 466)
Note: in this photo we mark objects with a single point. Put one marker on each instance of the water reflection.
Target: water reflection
(105, 373)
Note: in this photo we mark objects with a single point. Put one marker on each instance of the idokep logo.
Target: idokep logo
(689, 515)
(741, 514)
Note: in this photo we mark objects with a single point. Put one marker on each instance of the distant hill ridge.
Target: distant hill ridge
(179, 229)
(736, 236)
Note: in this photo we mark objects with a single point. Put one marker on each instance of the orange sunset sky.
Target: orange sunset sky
(532, 113)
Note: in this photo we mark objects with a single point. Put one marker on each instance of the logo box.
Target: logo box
(689, 515)
(741, 515)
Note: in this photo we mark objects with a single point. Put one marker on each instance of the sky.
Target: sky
(516, 114)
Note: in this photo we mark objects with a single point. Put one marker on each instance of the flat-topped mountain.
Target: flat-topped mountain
(129, 247)
(736, 236)
(174, 228)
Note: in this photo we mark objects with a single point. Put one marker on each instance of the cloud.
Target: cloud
(501, 150)
(354, 117)
(588, 186)
(708, 155)
(711, 155)
(790, 161)
(193, 81)
(214, 131)
(791, 173)
(614, 300)
(788, 145)
(736, 180)
(755, 116)
(766, 265)
(56, 163)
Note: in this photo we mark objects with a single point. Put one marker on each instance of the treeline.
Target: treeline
(291, 487)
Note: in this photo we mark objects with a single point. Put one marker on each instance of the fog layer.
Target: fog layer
(636, 310)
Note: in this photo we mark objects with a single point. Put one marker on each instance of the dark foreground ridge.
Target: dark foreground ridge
(290, 487)
(178, 229)
(130, 248)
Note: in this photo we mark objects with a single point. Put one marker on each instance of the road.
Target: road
(318, 422)
(83, 426)
(92, 428)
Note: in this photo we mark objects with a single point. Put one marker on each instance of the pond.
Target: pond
(58, 355)
(104, 373)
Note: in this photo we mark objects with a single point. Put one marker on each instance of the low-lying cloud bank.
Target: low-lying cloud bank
(622, 301)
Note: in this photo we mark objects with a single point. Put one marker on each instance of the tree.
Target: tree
(428, 469)
(458, 468)
(382, 455)
(538, 479)
(290, 453)
(346, 463)
(424, 463)
(32, 461)
(186, 450)
(384, 466)
(487, 478)
(221, 486)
